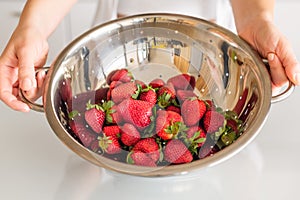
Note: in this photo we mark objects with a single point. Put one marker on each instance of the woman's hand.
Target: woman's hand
(264, 36)
(254, 23)
(26, 51)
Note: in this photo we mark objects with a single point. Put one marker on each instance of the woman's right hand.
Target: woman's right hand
(26, 50)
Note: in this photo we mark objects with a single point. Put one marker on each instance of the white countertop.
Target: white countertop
(36, 165)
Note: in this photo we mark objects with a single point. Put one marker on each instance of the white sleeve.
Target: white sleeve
(106, 10)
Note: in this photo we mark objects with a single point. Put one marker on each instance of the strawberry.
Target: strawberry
(141, 83)
(165, 95)
(140, 158)
(75, 118)
(95, 147)
(210, 105)
(192, 110)
(112, 115)
(213, 121)
(196, 137)
(208, 148)
(109, 75)
(182, 95)
(122, 75)
(95, 117)
(176, 152)
(123, 91)
(168, 124)
(148, 146)
(157, 83)
(145, 153)
(182, 82)
(101, 94)
(129, 134)
(109, 144)
(174, 108)
(148, 95)
(84, 134)
(113, 131)
(136, 112)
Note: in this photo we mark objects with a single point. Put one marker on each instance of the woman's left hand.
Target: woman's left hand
(271, 44)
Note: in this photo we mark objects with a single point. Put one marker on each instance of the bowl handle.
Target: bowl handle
(284, 92)
(34, 106)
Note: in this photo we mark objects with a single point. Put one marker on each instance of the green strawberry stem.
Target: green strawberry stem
(89, 106)
(137, 92)
(73, 114)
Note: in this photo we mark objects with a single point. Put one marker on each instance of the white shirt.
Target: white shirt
(218, 11)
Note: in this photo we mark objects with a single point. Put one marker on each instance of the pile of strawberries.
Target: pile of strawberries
(149, 124)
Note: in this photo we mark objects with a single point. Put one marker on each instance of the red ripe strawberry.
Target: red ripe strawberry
(122, 75)
(101, 95)
(116, 117)
(157, 83)
(168, 124)
(109, 144)
(140, 158)
(84, 134)
(140, 83)
(149, 147)
(192, 110)
(95, 117)
(113, 131)
(123, 91)
(184, 94)
(208, 148)
(176, 152)
(129, 134)
(182, 81)
(173, 108)
(210, 105)
(112, 115)
(145, 153)
(165, 95)
(114, 84)
(75, 118)
(212, 121)
(196, 136)
(148, 95)
(108, 77)
(136, 112)
(95, 147)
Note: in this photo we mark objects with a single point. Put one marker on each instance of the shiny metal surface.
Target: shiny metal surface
(162, 45)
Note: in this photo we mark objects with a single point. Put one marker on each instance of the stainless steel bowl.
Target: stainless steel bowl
(160, 46)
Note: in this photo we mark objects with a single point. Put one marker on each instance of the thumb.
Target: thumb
(27, 78)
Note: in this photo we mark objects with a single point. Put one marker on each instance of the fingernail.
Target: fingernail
(26, 109)
(297, 78)
(26, 84)
(271, 56)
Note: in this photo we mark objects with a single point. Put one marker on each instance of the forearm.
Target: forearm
(44, 15)
(246, 11)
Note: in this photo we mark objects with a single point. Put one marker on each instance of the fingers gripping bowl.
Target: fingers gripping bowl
(222, 70)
